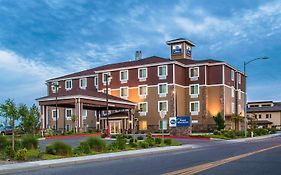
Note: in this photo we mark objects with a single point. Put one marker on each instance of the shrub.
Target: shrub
(90, 130)
(113, 136)
(33, 154)
(59, 148)
(129, 137)
(134, 144)
(217, 132)
(132, 140)
(3, 142)
(50, 149)
(260, 132)
(143, 144)
(96, 144)
(103, 135)
(21, 154)
(220, 123)
(30, 142)
(9, 151)
(84, 147)
(150, 140)
(158, 141)
(168, 141)
(272, 130)
(140, 138)
(119, 144)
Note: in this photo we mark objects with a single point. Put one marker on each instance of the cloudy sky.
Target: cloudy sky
(41, 39)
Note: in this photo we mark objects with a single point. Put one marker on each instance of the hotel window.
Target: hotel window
(162, 72)
(142, 74)
(105, 76)
(124, 76)
(239, 78)
(68, 113)
(68, 84)
(232, 108)
(259, 115)
(162, 89)
(232, 92)
(142, 108)
(239, 94)
(164, 124)
(83, 83)
(96, 81)
(194, 73)
(232, 75)
(142, 90)
(124, 92)
(194, 107)
(194, 90)
(162, 106)
(239, 109)
(143, 125)
(54, 85)
(54, 114)
(85, 114)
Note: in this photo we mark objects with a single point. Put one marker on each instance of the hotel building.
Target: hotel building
(178, 85)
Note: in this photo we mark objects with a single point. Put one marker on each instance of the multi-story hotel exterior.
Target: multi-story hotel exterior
(179, 85)
(266, 113)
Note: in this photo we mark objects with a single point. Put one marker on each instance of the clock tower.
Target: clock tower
(180, 48)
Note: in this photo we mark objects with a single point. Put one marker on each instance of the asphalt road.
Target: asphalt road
(267, 162)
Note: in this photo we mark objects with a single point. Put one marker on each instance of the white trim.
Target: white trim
(232, 75)
(47, 116)
(96, 81)
(143, 113)
(103, 80)
(53, 87)
(174, 75)
(66, 109)
(165, 93)
(194, 112)
(239, 78)
(194, 95)
(232, 108)
(142, 95)
(68, 88)
(142, 78)
(80, 84)
(205, 74)
(54, 110)
(239, 94)
(223, 75)
(124, 87)
(232, 92)
(43, 116)
(194, 78)
(167, 106)
(120, 77)
(162, 76)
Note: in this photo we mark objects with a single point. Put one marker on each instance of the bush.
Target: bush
(30, 142)
(90, 130)
(113, 136)
(150, 140)
(260, 132)
(10, 152)
(119, 144)
(158, 141)
(33, 154)
(217, 132)
(168, 141)
(84, 147)
(59, 148)
(272, 130)
(103, 135)
(143, 144)
(21, 154)
(140, 138)
(96, 144)
(132, 140)
(3, 142)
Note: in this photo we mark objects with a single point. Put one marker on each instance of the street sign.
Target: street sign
(173, 121)
(162, 114)
(183, 121)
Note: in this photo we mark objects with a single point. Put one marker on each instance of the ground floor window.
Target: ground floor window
(68, 128)
(143, 125)
(194, 107)
(164, 124)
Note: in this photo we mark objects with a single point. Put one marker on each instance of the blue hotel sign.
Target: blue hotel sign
(183, 121)
(177, 49)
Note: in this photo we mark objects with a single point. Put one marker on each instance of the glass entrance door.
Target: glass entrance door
(115, 127)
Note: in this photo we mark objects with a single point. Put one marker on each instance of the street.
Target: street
(266, 162)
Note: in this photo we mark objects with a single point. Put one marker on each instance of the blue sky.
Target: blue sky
(49, 38)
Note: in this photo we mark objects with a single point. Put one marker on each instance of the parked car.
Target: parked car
(6, 131)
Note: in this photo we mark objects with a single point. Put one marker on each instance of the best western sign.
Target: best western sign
(184, 121)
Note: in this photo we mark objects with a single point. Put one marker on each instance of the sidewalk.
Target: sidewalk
(28, 166)
(69, 136)
(255, 138)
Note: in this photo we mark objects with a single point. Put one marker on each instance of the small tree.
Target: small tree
(252, 121)
(73, 119)
(236, 118)
(219, 121)
(29, 118)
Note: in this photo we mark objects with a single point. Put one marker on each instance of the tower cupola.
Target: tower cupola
(180, 48)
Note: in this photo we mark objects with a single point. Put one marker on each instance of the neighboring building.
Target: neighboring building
(266, 113)
(178, 85)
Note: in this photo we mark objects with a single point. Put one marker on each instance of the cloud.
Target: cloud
(23, 79)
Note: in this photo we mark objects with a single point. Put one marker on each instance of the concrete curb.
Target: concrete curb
(254, 138)
(28, 166)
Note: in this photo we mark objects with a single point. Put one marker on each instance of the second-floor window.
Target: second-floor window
(55, 86)
(83, 83)
(105, 77)
(232, 92)
(194, 73)
(239, 78)
(162, 72)
(143, 108)
(232, 108)
(96, 81)
(163, 89)
(232, 75)
(68, 84)
(124, 92)
(142, 90)
(194, 90)
(124, 76)
(142, 74)
(194, 107)
(162, 106)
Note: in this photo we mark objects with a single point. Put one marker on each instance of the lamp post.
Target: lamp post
(245, 97)
(175, 103)
(107, 121)
(56, 85)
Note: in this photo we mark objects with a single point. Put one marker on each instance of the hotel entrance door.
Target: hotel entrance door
(115, 127)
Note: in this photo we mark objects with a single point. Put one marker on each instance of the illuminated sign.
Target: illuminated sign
(177, 49)
(183, 121)
(188, 50)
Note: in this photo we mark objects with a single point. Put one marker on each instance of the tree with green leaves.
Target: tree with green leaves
(73, 119)
(29, 118)
(219, 121)
(3, 113)
(236, 118)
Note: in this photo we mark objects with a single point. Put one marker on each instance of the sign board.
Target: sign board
(177, 49)
(173, 121)
(184, 121)
(188, 50)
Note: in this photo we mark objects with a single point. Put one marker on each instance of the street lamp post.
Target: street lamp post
(175, 103)
(107, 121)
(245, 97)
(56, 85)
